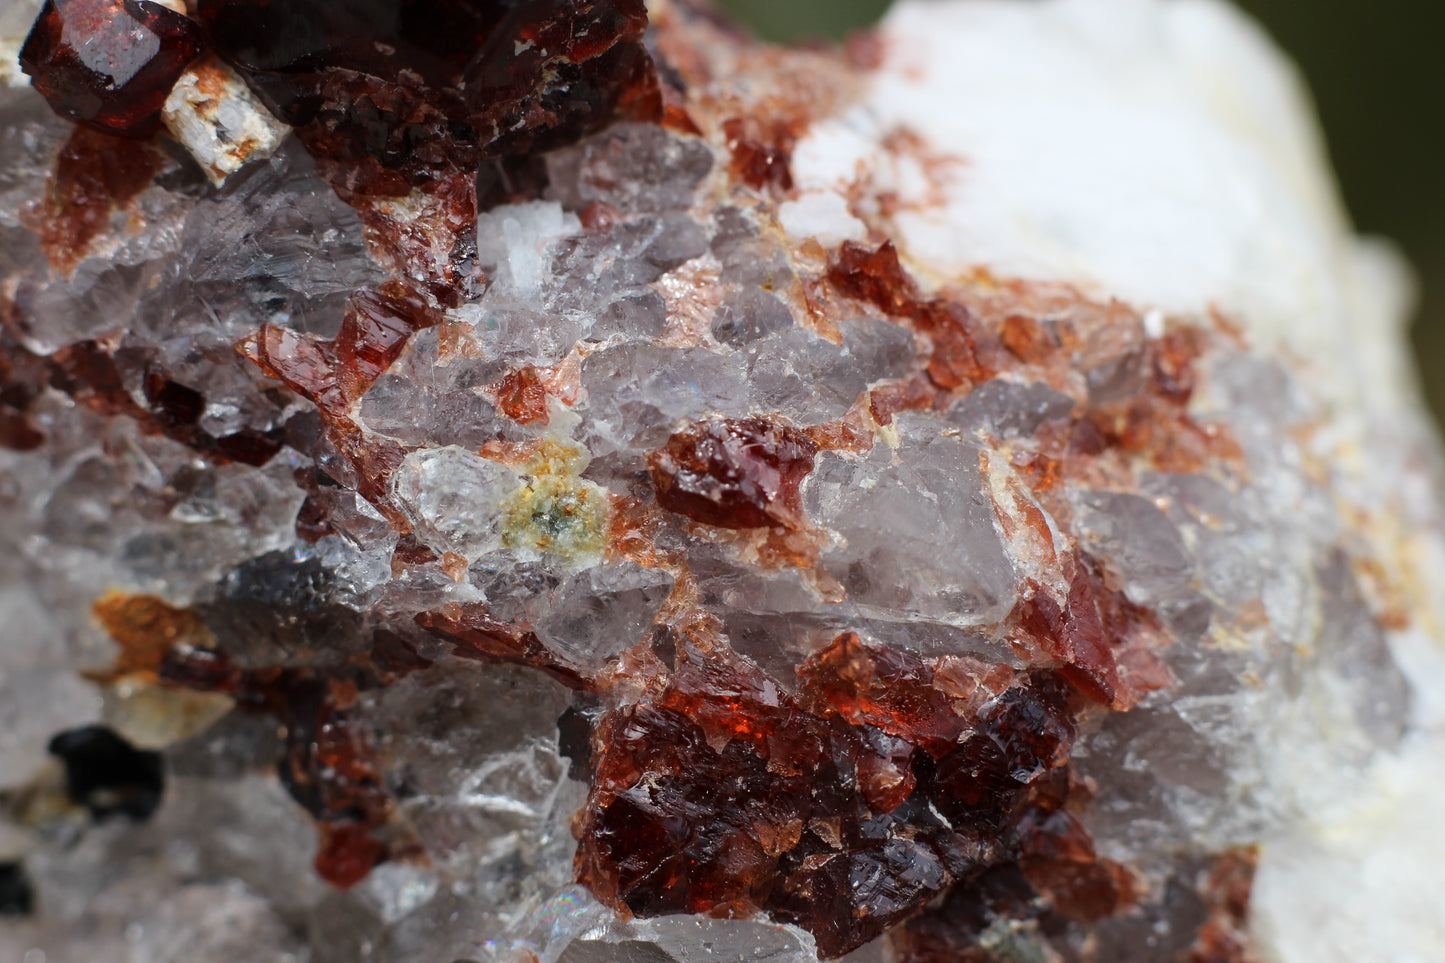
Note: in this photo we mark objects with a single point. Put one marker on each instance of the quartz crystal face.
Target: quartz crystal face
(589, 491)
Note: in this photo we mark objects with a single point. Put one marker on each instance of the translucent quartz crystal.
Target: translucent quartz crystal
(604, 489)
(454, 499)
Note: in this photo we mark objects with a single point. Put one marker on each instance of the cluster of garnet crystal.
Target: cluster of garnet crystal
(403, 92)
(325, 762)
(87, 372)
(844, 803)
(407, 92)
(843, 808)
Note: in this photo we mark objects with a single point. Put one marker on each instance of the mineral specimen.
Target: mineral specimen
(553, 482)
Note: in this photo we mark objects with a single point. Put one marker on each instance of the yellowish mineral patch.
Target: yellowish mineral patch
(557, 513)
(153, 716)
(148, 713)
(146, 628)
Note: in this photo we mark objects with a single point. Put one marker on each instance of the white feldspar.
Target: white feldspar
(16, 17)
(821, 215)
(215, 116)
(1164, 153)
(516, 238)
(1158, 152)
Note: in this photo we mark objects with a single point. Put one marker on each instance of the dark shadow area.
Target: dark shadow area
(788, 20)
(1381, 96)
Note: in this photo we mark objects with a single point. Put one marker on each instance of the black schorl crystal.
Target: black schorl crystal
(17, 896)
(109, 776)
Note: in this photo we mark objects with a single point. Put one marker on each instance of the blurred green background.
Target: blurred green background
(1379, 83)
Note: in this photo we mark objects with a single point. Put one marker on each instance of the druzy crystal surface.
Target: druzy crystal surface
(605, 489)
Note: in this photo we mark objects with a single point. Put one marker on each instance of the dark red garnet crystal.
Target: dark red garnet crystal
(734, 473)
(422, 88)
(843, 810)
(109, 64)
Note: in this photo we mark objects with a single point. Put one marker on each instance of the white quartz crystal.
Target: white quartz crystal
(514, 240)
